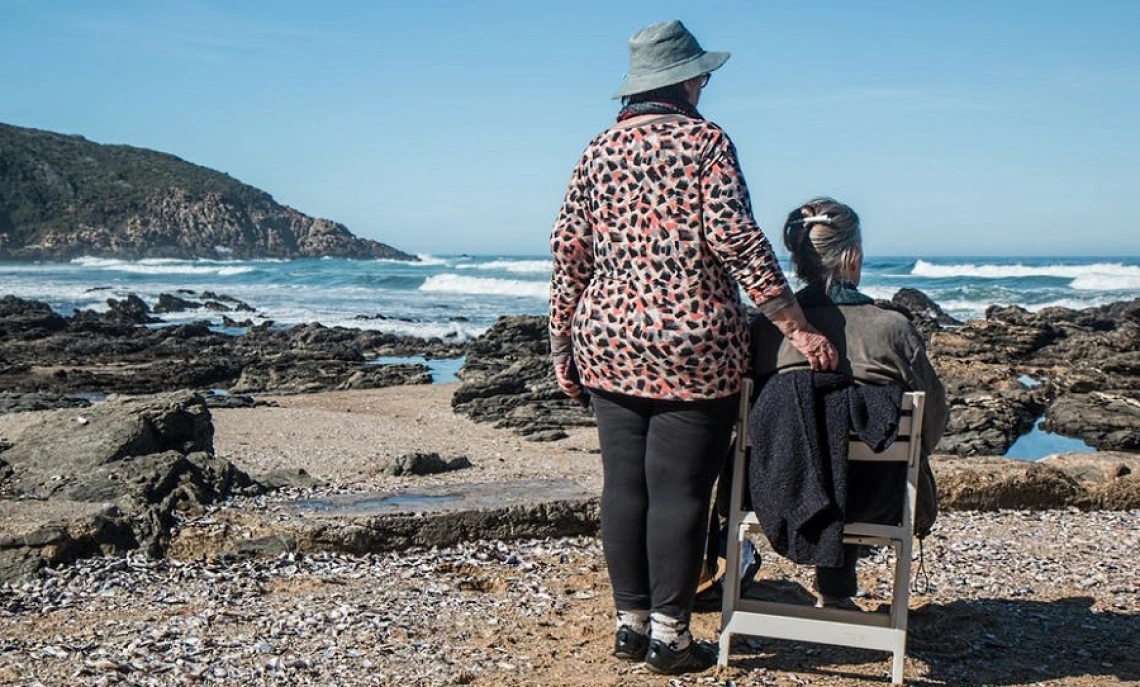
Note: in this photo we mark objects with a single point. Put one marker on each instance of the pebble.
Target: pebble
(430, 616)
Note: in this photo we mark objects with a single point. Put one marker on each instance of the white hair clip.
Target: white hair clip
(825, 219)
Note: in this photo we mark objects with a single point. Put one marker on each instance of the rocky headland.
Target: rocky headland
(63, 197)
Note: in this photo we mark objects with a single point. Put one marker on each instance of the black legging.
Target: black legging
(660, 459)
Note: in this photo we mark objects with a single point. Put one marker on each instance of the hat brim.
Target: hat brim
(701, 64)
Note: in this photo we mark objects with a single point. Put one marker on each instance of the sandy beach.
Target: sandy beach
(347, 437)
(1010, 598)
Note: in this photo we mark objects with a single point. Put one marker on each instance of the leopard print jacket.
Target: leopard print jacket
(653, 238)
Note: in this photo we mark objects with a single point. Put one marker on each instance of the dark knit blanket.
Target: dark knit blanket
(799, 427)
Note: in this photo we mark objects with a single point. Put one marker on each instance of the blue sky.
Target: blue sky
(954, 128)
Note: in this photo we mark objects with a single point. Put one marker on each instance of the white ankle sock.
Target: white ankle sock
(675, 633)
(638, 621)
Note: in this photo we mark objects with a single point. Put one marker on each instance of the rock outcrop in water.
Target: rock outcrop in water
(1085, 363)
(507, 379)
(42, 352)
(64, 196)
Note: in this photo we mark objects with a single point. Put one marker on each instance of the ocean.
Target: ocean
(459, 297)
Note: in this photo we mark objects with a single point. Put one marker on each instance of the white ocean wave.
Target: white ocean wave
(1107, 282)
(455, 283)
(882, 292)
(222, 268)
(1107, 275)
(98, 262)
(513, 266)
(428, 260)
(963, 309)
(448, 331)
(183, 269)
(57, 293)
(423, 260)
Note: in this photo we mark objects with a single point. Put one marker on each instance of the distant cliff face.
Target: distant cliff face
(63, 197)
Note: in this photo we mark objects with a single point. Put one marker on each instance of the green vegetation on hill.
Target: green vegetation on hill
(64, 196)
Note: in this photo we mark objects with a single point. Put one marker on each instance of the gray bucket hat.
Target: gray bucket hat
(664, 54)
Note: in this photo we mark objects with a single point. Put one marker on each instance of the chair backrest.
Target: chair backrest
(907, 448)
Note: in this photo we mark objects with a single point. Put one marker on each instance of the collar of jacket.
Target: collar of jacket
(839, 293)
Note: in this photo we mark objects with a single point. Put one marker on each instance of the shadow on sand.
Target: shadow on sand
(980, 642)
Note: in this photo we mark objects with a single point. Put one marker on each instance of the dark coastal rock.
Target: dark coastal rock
(131, 309)
(1106, 372)
(64, 197)
(1004, 337)
(93, 327)
(290, 374)
(424, 464)
(232, 401)
(110, 352)
(987, 424)
(236, 324)
(507, 379)
(36, 534)
(145, 458)
(233, 303)
(920, 309)
(282, 478)
(22, 403)
(68, 452)
(1087, 360)
(1120, 494)
(1104, 420)
(169, 303)
(28, 319)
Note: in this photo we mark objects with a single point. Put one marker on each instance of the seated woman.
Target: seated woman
(876, 346)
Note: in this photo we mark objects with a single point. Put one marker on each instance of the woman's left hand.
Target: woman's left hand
(820, 354)
(567, 376)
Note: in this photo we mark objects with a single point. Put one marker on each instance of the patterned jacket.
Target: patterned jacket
(653, 238)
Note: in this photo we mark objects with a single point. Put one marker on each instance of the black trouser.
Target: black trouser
(873, 491)
(659, 460)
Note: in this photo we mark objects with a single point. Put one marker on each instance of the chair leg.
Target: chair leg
(725, 642)
(897, 666)
(730, 598)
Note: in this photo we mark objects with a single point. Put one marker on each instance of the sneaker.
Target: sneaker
(692, 659)
(630, 645)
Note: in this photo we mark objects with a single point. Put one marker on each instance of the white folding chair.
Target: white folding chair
(836, 626)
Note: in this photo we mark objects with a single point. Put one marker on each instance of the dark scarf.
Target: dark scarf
(839, 292)
(681, 107)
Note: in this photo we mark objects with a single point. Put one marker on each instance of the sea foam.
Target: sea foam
(455, 283)
(1106, 276)
(513, 266)
(222, 268)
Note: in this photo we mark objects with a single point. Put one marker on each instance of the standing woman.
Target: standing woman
(653, 238)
